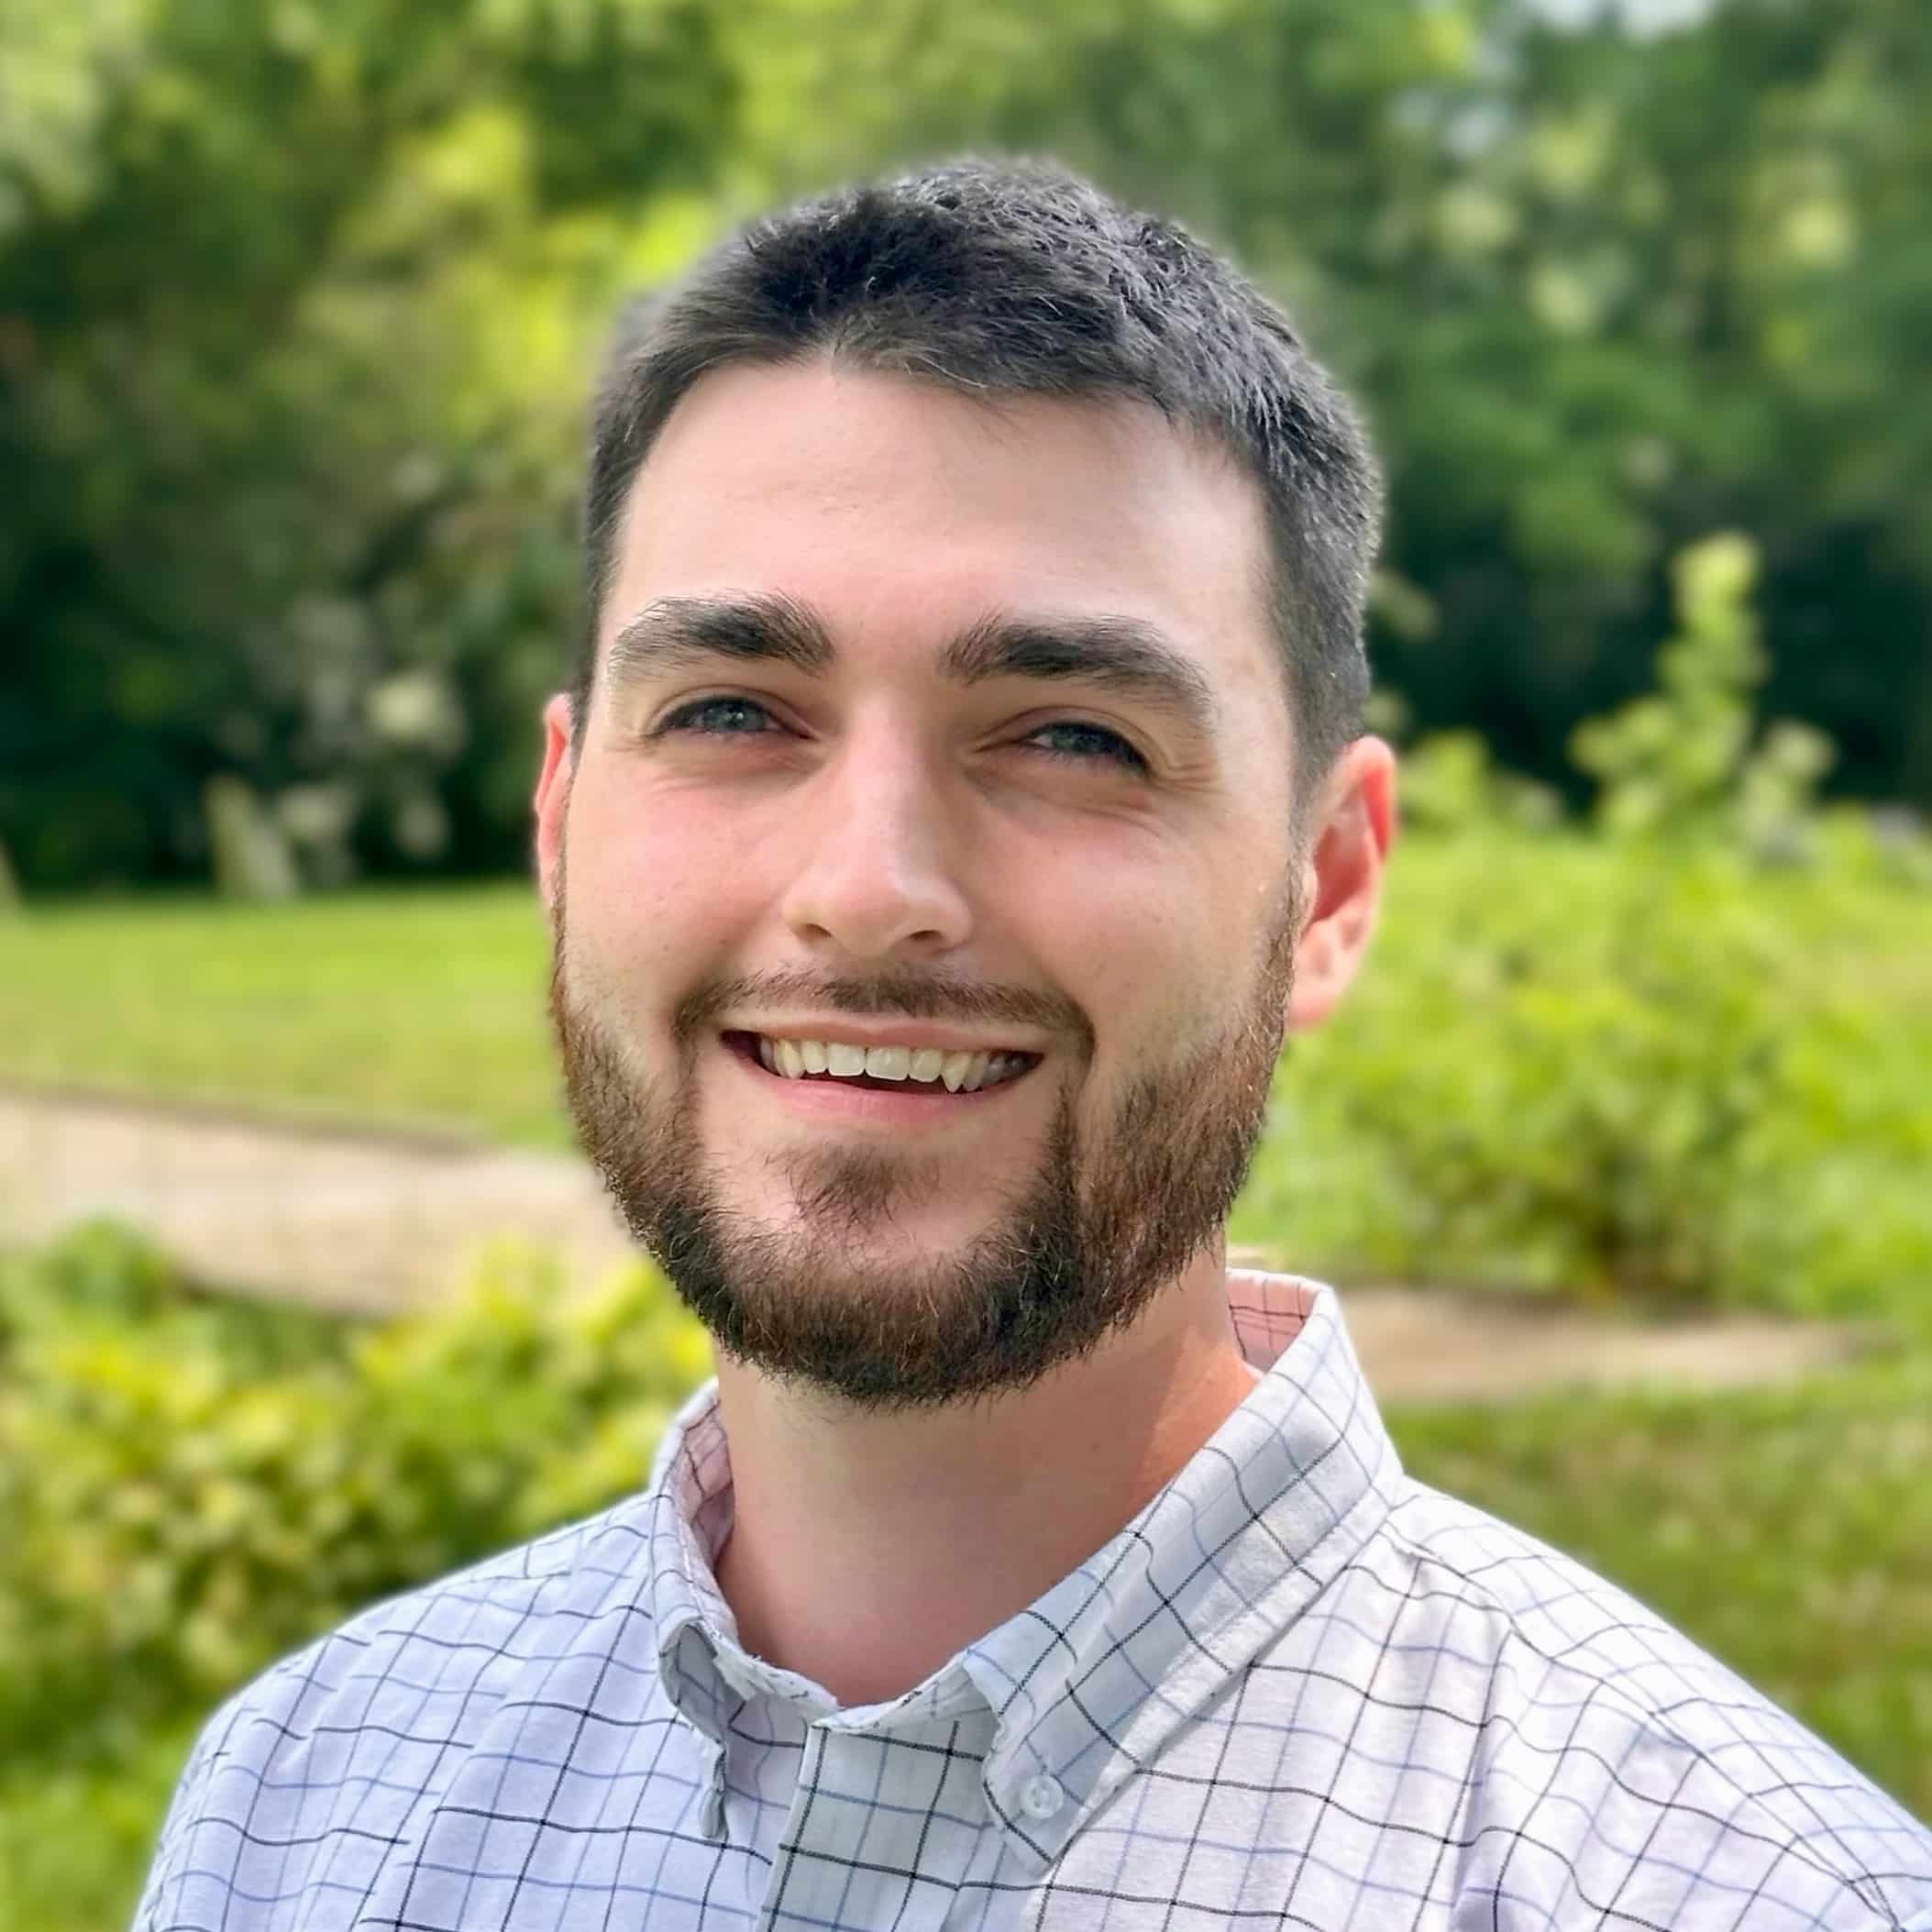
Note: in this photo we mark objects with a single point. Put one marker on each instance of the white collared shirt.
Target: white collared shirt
(1298, 1689)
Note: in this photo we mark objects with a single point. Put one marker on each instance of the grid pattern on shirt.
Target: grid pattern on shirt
(1298, 1690)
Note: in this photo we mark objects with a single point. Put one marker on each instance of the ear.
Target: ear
(1353, 824)
(553, 794)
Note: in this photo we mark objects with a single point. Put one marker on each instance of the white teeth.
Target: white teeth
(960, 1072)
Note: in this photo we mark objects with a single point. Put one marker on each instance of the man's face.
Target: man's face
(940, 729)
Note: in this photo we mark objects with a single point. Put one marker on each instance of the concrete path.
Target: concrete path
(371, 1220)
(363, 1220)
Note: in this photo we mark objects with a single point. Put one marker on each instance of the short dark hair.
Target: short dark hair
(1020, 279)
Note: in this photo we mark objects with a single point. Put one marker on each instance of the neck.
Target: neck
(867, 1550)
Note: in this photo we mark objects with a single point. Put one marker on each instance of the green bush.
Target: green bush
(1634, 1065)
(1576, 1069)
(189, 1486)
(76, 1836)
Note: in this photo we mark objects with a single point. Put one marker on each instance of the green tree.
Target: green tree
(286, 297)
(297, 305)
(1603, 290)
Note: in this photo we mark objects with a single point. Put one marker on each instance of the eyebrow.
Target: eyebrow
(676, 632)
(1126, 655)
(1118, 653)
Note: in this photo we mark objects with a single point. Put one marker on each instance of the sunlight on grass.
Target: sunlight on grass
(418, 1006)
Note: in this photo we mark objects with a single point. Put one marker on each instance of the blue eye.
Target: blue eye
(686, 717)
(1070, 739)
(1090, 743)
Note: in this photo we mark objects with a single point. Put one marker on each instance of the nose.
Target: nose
(875, 873)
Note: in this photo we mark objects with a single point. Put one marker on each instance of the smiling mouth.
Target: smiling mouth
(887, 1070)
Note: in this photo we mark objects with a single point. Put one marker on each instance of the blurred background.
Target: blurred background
(1622, 1153)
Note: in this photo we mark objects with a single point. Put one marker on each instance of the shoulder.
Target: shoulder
(374, 1715)
(1606, 1740)
(468, 1631)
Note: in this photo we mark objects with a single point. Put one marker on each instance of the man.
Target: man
(962, 791)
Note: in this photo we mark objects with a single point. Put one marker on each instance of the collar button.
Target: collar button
(1041, 1797)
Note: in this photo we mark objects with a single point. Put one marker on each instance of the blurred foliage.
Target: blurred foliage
(77, 1835)
(1681, 763)
(288, 348)
(1449, 783)
(297, 305)
(1593, 1070)
(191, 1484)
(1622, 1066)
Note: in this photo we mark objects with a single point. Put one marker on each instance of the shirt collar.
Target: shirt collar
(1087, 1680)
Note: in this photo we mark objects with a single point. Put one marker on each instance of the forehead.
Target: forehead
(903, 511)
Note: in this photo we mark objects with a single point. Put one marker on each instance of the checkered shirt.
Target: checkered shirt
(1298, 1689)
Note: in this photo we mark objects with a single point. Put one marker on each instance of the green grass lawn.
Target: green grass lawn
(1789, 1532)
(1563, 1126)
(428, 1003)
(424, 1005)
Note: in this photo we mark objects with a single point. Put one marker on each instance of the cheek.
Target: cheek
(656, 888)
(1180, 969)
(1139, 960)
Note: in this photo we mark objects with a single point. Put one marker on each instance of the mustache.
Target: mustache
(923, 996)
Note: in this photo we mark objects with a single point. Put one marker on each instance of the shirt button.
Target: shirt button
(1041, 1797)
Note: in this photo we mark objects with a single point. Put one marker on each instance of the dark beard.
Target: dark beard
(1074, 1255)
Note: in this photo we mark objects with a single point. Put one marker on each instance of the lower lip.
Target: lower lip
(835, 1101)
